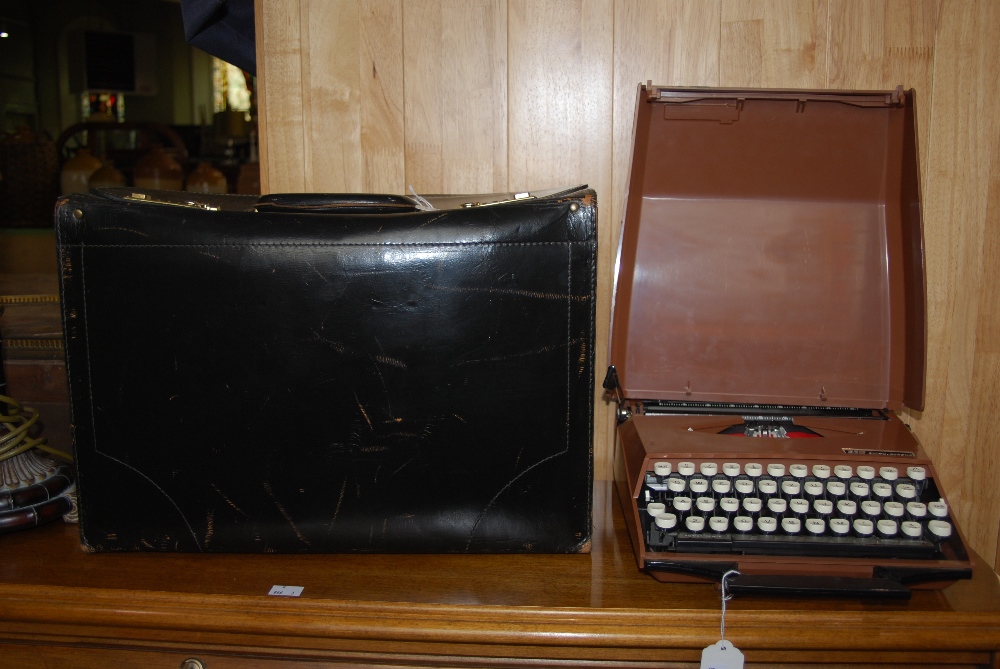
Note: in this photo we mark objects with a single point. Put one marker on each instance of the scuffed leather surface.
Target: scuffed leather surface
(256, 382)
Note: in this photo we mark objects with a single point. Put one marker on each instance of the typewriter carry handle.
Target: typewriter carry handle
(337, 203)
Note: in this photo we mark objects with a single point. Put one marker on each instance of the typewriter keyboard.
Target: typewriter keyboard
(835, 510)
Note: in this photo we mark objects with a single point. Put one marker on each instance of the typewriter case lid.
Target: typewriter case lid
(771, 250)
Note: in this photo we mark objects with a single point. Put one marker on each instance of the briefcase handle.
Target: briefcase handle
(337, 203)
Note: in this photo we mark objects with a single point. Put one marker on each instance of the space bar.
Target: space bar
(760, 544)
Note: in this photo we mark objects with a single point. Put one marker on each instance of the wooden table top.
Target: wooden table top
(597, 606)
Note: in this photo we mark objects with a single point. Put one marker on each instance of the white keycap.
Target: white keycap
(676, 484)
(790, 488)
(694, 523)
(911, 529)
(866, 472)
(705, 504)
(888, 473)
(662, 469)
(813, 488)
(815, 526)
(752, 505)
(744, 486)
(654, 508)
(731, 469)
(729, 504)
(887, 528)
(916, 509)
(743, 523)
(840, 526)
(682, 503)
(847, 507)
(753, 469)
(823, 506)
(698, 486)
(821, 471)
(798, 471)
(767, 524)
(685, 468)
(718, 523)
(940, 528)
(916, 473)
(666, 521)
(882, 490)
(799, 505)
(836, 488)
(777, 505)
(767, 487)
(708, 469)
(871, 507)
(721, 486)
(894, 509)
(906, 491)
(863, 527)
(843, 471)
(791, 525)
(938, 509)
(859, 489)
(776, 469)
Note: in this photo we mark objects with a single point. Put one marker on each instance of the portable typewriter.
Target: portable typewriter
(768, 320)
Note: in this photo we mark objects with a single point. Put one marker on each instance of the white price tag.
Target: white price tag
(287, 591)
(721, 655)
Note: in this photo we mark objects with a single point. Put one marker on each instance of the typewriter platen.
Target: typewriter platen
(768, 322)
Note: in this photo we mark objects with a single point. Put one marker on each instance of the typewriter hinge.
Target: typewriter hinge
(614, 391)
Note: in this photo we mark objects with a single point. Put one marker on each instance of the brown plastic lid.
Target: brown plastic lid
(771, 250)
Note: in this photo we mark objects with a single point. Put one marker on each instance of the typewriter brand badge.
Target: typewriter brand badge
(888, 454)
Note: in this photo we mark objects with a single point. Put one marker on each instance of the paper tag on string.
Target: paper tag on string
(721, 655)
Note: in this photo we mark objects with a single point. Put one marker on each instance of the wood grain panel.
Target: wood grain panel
(560, 119)
(964, 142)
(455, 64)
(280, 100)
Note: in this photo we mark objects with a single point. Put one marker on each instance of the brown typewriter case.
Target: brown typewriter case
(771, 254)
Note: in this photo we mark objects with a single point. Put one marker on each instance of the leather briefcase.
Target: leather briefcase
(313, 373)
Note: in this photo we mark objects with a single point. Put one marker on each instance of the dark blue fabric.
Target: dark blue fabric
(223, 28)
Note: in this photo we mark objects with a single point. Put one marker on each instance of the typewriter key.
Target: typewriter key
(905, 491)
(685, 468)
(843, 471)
(916, 473)
(821, 471)
(776, 469)
(731, 469)
(866, 472)
(888, 473)
(836, 490)
(662, 468)
(767, 487)
(847, 508)
(665, 521)
(767, 524)
(815, 526)
(791, 525)
(799, 507)
(912, 529)
(938, 509)
(705, 505)
(882, 491)
(721, 486)
(941, 529)
(718, 524)
(823, 507)
(709, 469)
(863, 527)
(744, 486)
(916, 510)
(790, 489)
(729, 504)
(871, 509)
(694, 523)
(743, 524)
(859, 491)
(654, 508)
(886, 528)
(777, 506)
(798, 471)
(753, 469)
(840, 526)
(699, 486)
(752, 505)
(894, 510)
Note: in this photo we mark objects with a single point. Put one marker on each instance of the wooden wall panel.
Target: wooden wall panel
(485, 95)
(455, 92)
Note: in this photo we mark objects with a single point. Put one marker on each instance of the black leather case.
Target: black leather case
(293, 379)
